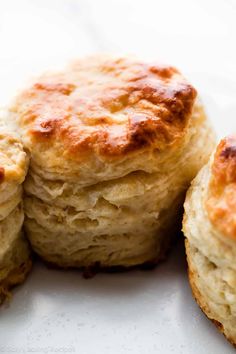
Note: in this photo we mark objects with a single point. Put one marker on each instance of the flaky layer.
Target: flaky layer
(14, 250)
(132, 244)
(214, 290)
(10, 204)
(10, 228)
(104, 117)
(15, 260)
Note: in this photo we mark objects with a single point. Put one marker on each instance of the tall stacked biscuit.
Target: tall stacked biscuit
(114, 144)
(15, 260)
(210, 230)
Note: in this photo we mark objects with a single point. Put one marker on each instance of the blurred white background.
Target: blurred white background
(135, 312)
(197, 36)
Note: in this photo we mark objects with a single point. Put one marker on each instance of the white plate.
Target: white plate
(134, 312)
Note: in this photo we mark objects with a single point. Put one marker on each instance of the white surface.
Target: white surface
(134, 312)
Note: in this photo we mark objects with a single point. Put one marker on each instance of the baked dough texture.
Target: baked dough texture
(15, 260)
(114, 144)
(210, 229)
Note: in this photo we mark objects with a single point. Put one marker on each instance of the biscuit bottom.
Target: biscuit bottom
(15, 277)
(212, 288)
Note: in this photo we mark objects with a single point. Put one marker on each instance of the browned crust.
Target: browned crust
(221, 201)
(94, 268)
(78, 108)
(2, 174)
(89, 272)
(15, 277)
(199, 297)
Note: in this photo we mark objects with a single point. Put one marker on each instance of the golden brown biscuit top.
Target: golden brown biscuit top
(106, 107)
(221, 202)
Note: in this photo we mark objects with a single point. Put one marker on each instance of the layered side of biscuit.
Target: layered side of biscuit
(15, 260)
(210, 228)
(114, 144)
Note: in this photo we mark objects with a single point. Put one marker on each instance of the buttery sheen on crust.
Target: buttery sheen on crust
(209, 226)
(114, 144)
(15, 260)
(102, 118)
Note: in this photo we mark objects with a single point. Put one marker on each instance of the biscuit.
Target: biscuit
(15, 260)
(210, 229)
(114, 144)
